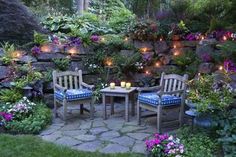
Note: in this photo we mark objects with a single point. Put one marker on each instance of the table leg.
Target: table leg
(104, 104)
(127, 108)
(133, 103)
(112, 104)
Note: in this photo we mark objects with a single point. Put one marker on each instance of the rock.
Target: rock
(139, 148)
(49, 56)
(206, 68)
(166, 59)
(43, 66)
(49, 100)
(3, 72)
(90, 146)
(161, 47)
(74, 132)
(67, 141)
(124, 140)
(205, 47)
(109, 135)
(79, 65)
(96, 131)
(98, 124)
(114, 148)
(143, 44)
(138, 136)
(180, 50)
(17, 23)
(86, 137)
(53, 137)
(27, 59)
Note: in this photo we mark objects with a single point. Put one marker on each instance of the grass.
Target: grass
(31, 146)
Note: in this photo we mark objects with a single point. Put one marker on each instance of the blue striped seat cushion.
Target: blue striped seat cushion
(153, 99)
(74, 94)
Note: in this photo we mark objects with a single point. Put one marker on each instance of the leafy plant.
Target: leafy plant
(225, 125)
(10, 95)
(40, 38)
(41, 116)
(61, 63)
(228, 50)
(8, 50)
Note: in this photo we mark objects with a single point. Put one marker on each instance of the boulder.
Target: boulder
(161, 47)
(143, 44)
(206, 68)
(3, 72)
(17, 24)
(27, 59)
(43, 66)
(49, 56)
(205, 47)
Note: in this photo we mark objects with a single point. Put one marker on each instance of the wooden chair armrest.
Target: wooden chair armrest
(91, 87)
(146, 89)
(57, 86)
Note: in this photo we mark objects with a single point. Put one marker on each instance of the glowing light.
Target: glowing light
(224, 38)
(144, 49)
(221, 68)
(102, 39)
(46, 48)
(158, 64)
(147, 72)
(126, 39)
(175, 46)
(108, 62)
(17, 54)
(176, 53)
(202, 38)
(73, 51)
(161, 39)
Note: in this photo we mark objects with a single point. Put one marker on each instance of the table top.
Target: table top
(118, 89)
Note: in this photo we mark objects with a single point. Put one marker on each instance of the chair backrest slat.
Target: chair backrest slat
(68, 79)
(71, 82)
(173, 82)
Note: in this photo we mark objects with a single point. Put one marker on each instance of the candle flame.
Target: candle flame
(72, 51)
(174, 46)
(158, 64)
(224, 38)
(45, 48)
(221, 68)
(161, 39)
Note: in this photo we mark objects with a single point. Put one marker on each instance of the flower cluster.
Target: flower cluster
(21, 108)
(5, 117)
(165, 145)
(95, 38)
(139, 65)
(36, 50)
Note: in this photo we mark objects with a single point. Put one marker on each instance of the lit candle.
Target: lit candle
(224, 38)
(102, 39)
(46, 48)
(176, 53)
(72, 51)
(202, 38)
(17, 54)
(161, 39)
(112, 85)
(144, 49)
(126, 39)
(122, 84)
(158, 64)
(128, 85)
(147, 72)
(221, 68)
(174, 46)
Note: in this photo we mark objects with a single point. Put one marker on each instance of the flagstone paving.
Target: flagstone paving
(113, 135)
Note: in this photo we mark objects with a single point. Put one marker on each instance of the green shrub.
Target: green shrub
(197, 143)
(41, 116)
(61, 63)
(10, 95)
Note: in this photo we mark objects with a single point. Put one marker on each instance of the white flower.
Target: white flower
(171, 138)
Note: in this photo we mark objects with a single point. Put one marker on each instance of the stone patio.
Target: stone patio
(113, 135)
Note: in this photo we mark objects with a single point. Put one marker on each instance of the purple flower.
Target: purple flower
(229, 66)
(95, 38)
(6, 116)
(147, 57)
(55, 40)
(36, 50)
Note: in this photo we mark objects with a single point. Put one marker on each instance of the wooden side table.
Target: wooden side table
(119, 92)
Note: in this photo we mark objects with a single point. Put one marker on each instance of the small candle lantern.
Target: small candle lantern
(108, 62)
(122, 84)
(16, 55)
(126, 39)
(158, 64)
(46, 48)
(176, 53)
(221, 68)
(175, 46)
(224, 38)
(112, 85)
(73, 51)
(144, 50)
(161, 39)
(128, 85)
(147, 72)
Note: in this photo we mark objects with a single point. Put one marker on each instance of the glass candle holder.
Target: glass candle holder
(128, 85)
(112, 85)
(122, 84)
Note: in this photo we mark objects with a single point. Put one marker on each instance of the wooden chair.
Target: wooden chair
(170, 94)
(70, 90)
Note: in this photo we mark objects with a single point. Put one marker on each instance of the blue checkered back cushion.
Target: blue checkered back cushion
(74, 94)
(153, 99)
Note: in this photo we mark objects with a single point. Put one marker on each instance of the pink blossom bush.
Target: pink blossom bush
(164, 146)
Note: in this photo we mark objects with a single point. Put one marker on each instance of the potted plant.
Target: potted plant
(208, 96)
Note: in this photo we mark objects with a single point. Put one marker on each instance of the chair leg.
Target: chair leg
(138, 113)
(55, 108)
(64, 109)
(92, 109)
(181, 115)
(159, 114)
(81, 108)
